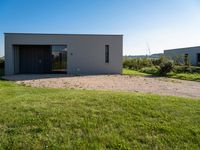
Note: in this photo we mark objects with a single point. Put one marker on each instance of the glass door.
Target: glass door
(198, 59)
(59, 58)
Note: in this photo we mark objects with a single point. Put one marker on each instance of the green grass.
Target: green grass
(182, 76)
(39, 118)
(185, 76)
(134, 72)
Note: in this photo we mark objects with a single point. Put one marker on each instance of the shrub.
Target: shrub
(158, 61)
(165, 67)
(150, 70)
(160, 66)
(127, 63)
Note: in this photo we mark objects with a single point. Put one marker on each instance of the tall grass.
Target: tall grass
(160, 66)
(137, 63)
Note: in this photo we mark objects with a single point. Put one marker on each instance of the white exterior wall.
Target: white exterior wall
(86, 53)
(191, 51)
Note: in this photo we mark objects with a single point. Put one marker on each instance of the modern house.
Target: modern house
(182, 55)
(28, 53)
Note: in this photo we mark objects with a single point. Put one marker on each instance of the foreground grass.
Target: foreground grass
(39, 118)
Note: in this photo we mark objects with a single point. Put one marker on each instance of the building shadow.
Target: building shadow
(25, 77)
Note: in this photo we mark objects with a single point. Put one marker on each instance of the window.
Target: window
(59, 58)
(186, 59)
(106, 53)
(198, 59)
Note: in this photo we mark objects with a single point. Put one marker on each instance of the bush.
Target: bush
(160, 66)
(127, 64)
(158, 61)
(165, 67)
(139, 63)
(150, 70)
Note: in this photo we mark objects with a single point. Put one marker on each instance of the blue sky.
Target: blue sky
(163, 24)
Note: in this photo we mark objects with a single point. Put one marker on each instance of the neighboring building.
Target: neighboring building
(28, 53)
(182, 55)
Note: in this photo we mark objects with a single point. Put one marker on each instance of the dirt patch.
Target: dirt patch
(162, 86)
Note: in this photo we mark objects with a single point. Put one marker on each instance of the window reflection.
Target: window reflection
(59, 58)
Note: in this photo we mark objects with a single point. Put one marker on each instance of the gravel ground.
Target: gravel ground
(155, 85)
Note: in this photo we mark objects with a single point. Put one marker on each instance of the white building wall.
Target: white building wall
(86, 53)
(179, 53)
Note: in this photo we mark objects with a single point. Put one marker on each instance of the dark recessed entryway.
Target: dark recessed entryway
(40, 59)
(34, 59)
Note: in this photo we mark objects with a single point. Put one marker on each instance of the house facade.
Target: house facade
(182, 55)
(76, 54)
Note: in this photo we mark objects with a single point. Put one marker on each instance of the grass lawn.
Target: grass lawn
(39, 118)
(185, 76)
(134, 72)
(182, 76)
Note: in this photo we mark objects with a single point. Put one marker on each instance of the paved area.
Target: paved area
(155, 85)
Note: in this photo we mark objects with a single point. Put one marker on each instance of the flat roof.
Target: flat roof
(182, 48)
(67, 34)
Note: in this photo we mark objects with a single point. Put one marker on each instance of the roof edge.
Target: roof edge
(65, 34)
(182, 48)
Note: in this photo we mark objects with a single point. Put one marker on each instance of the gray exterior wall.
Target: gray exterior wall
(86, 53)
(179, 54)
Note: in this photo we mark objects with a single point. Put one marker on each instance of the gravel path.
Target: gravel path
(162, 86)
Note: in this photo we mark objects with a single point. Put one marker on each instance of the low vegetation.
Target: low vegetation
(41, 118)
(137, 63)
(165, 67)
(186, 69)
(134, 72)
(185, 76)
(162, 67)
